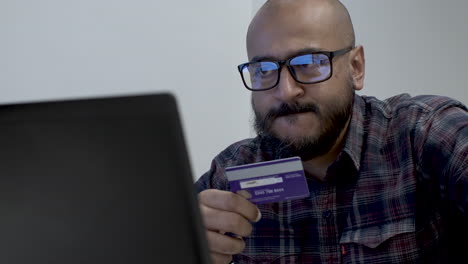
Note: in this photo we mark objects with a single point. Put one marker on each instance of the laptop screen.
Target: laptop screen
(102, 181)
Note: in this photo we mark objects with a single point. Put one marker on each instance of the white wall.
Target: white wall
(53, 49)
(413, 46)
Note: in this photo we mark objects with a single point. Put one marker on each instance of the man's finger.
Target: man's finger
(218, 220)
(223, 244)
(228, 201)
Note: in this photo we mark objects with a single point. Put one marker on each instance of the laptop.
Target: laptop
(98, 181)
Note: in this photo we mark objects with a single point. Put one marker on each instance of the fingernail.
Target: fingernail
(244, 193)
(259, 215)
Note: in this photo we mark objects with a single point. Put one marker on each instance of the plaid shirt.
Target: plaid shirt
(397, 192)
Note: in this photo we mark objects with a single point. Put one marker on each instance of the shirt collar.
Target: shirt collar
(355, 135)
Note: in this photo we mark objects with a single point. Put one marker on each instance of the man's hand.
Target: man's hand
(224, 212)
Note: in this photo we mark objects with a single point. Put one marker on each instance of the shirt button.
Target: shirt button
(327, 214)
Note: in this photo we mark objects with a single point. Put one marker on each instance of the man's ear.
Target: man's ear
(358, 66)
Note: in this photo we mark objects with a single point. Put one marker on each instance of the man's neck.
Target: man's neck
(318, 166)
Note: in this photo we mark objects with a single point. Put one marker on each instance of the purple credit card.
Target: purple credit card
(269, 181)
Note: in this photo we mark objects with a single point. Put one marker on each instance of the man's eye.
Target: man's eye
(265, 72)
(323, 62)
(265, 69)
(308, 65)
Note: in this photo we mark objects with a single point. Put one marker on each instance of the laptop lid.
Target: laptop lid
(103, 180)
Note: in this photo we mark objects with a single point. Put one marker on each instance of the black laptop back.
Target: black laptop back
(98, 181)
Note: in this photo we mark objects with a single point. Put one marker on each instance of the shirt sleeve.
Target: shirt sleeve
(204, 182)
(444, 153)
(212, 179)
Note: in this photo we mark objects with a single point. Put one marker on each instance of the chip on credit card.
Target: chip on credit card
(269, 181)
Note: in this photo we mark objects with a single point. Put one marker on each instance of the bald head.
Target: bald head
(318, 18)
(316, 88)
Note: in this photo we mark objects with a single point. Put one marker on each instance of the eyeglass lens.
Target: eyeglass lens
(309, 68)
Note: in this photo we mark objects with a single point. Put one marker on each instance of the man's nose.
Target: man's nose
(288, 89)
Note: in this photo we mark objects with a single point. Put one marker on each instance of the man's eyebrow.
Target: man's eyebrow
(263, 58)
(290, 55)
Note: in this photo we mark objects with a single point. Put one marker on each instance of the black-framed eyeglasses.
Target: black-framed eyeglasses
(306, 68)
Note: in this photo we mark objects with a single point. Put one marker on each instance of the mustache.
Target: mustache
(288, 109)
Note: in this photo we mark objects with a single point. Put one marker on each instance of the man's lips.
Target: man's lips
(295, 113)
(291, 111)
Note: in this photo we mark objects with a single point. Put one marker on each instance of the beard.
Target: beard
(332, 117)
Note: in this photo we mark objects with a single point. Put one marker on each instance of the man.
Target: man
(388, 180)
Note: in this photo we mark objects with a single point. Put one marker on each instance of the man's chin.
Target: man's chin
(295, 134)
(304, 147)
(295, 123)
(295, 140)
(294, 144)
